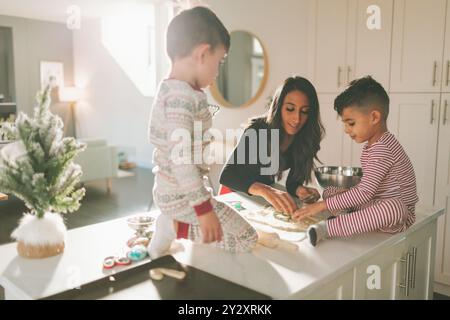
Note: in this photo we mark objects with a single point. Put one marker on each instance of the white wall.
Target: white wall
(282, 29)
(113, 108)
(33, 42)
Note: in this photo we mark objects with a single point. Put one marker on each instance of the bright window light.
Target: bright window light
(257, 49)
(129, 36)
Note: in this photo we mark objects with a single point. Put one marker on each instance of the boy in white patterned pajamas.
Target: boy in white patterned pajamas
(196, 43)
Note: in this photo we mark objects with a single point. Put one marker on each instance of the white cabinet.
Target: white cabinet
(341, 47)
(372, 47)
(404, 270)
(421, 251)
(377, 277)
(414, 119)
(401, 271)
(442, 272)
(410, 56)
(446, 60)
(351, 152)
(331, 146)
(340, 288)
(327, 50)
(415, 270)
(417, 45)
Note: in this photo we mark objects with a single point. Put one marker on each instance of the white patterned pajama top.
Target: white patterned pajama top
(181, 113)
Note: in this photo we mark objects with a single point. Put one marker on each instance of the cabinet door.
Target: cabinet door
(331, 146)
(417, 45)
(377, 277)
(372, 52)
(327, 44)
(351, 152)
(340, 288)
(414, 119)
(446, 61)
(421, 247)
(442, 272)
(416, 268)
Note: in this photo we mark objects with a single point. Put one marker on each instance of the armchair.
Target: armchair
(98, 161)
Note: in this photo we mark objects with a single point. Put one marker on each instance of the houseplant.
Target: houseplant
(38, 168)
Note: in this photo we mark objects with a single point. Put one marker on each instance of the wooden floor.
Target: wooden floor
(129, 195)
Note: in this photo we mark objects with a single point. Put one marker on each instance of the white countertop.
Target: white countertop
(80, 263)
(276, 273)
(281, 274)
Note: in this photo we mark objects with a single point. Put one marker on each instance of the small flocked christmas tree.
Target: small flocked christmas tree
(38, 167)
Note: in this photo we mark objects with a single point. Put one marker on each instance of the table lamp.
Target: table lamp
(70, 95)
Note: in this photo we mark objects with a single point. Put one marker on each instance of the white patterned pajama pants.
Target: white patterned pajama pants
(238, 235)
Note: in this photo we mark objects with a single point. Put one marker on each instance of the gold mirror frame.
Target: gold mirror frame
(217, 95)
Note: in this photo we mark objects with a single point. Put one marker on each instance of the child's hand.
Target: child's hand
(210, 227)
(309, 210)
(307, 195)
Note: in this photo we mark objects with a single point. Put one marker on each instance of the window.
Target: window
(131, 38)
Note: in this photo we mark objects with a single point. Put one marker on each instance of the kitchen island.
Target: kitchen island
(369, 266)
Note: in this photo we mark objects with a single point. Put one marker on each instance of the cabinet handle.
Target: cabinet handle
(447, 77)
(349, 69)
(405, 285)
(434, 73)
(412, 279)
(339, 76)
(444, 121)
(432, 112)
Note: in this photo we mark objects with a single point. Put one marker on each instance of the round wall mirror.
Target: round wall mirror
(242, 77)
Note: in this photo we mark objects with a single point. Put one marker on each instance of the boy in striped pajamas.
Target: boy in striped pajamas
(385, 198)
(197, 42)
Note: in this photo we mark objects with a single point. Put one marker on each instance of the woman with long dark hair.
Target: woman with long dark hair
(294, 115)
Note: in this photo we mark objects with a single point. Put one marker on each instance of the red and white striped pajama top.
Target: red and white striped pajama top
(385, 198)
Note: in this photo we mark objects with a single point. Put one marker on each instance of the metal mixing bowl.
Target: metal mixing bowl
(140, 223)
(344, 177)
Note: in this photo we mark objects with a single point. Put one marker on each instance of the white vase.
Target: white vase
(40, 237)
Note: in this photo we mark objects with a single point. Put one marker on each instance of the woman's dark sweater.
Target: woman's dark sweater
(240, 177)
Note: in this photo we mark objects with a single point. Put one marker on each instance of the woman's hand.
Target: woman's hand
(309, 210)
(280, 200)
(210, 227)
(307, 195)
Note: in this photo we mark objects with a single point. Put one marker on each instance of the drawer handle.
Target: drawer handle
(444, 121)
(405, 285)
(339, 70)
(447, 78)
(412, 279)
(434, 73)
(432, 112)
(349, 69)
